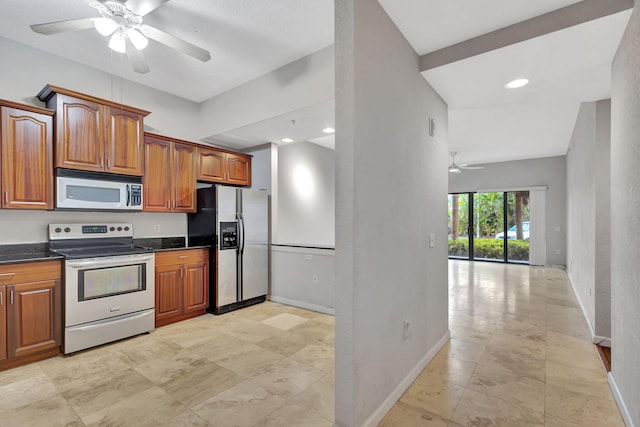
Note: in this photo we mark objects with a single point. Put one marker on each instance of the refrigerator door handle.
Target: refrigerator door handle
(242, 241)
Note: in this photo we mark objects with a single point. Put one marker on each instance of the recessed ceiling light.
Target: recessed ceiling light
(287, 140)
(328, 130)
(516, 83)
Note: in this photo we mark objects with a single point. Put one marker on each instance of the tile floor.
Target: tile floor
(266, 365)
(519, 356)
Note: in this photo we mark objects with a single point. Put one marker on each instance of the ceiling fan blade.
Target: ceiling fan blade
(136, 58)
(471, 167)
(142, 7)
(175, 43)
(62, 26)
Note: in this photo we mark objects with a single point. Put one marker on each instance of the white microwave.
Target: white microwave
(94, 191)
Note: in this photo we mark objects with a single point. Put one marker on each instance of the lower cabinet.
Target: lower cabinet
(182, 285)
(30, 312)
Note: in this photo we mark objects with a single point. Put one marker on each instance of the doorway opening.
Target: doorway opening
(490, 226)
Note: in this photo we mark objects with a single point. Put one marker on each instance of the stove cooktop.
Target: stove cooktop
(100, 251)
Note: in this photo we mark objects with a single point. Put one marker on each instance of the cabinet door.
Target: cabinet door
(168, 291)
(157, 176)
(211, 165)
(27, 160)
(196, 286)
(238, 169)
(184, 178)
(33, 317)
(124, 142)
(3, 322)
(80, 134)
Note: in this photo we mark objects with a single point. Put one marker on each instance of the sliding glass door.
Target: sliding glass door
(489, 226)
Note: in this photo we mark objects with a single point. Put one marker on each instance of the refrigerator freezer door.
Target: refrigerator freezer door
(227, 287)
(254, 248)
(227, 283)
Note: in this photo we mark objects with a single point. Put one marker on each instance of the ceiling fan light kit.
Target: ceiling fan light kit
(122, 20)
(455, 168)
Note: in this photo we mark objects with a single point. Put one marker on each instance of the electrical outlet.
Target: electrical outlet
(156, 228)
(315, 279)
(406, 329)
(308, 257)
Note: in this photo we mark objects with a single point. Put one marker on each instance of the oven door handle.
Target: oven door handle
(107, 261)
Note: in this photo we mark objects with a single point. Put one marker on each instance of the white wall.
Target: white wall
(625, 221)
(546, 171)
(304, 277)
(24, 226)
(307, 81)
(588, 219)
(391, 188)
(306, 195)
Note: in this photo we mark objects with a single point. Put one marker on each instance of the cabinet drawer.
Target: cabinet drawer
(30, 272)
(181, 256)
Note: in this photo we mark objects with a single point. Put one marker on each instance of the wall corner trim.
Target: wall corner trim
(396, 394)
(622, 407)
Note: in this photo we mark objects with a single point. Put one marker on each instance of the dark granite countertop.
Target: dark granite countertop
(159, 244)
(26, 252)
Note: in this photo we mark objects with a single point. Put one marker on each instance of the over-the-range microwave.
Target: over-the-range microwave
(97, 190)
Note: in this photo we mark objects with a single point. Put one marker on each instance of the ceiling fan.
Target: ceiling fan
(455, 168)
(122, 20)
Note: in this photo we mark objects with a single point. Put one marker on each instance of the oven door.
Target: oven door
(101, 288)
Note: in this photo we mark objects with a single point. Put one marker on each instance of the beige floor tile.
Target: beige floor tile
(450, 370)
(503, 384)
(580, 408)
(90, 398)
(249, 330)
(514, 362)
(434, 395)
(244, 359)
(588, 381)
(478, 409)
(463, 350)
(287, 377)
(297, 338)
(320, 397)
(535, 347)
(404, 415)
(242, 405)
(319, 356)
(20, 373)
(26, 391)
(51, 412)
(469, 334)
(139, 352)
(294, 414)
(148, 408)
(285, 321)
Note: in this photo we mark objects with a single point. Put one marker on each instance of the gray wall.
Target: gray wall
(391, 193)
(546, 171)
(625, 221)
(588, 219)
(306, 195)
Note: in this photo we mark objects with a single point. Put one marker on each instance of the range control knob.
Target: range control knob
(58, 229)
(119, 228)
(126, 229)
(112, 229)
(67, 229)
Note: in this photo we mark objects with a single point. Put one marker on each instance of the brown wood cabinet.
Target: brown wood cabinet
(31, 312)
(221, 166)
(27, 156)
(169, 175)
(182, 285)
(94, 134)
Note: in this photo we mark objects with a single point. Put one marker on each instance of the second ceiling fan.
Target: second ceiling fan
(457, 168)
(122, 21)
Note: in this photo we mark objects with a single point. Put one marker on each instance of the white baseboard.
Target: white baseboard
(583, 309)
(624, 411)
(391, 400)
(305, 305)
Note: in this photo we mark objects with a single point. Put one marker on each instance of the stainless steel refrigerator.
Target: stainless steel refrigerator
(235, 223)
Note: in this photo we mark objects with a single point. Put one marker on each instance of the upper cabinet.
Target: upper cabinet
(27, 156)
(94, 134)
(224, 167)
(170, 175)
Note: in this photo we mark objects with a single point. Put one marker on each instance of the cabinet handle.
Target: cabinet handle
(101, 162)
(0, 298)
(183, 256)
(6, 197)
(181, 272)
(11, 299)
(108, 163)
